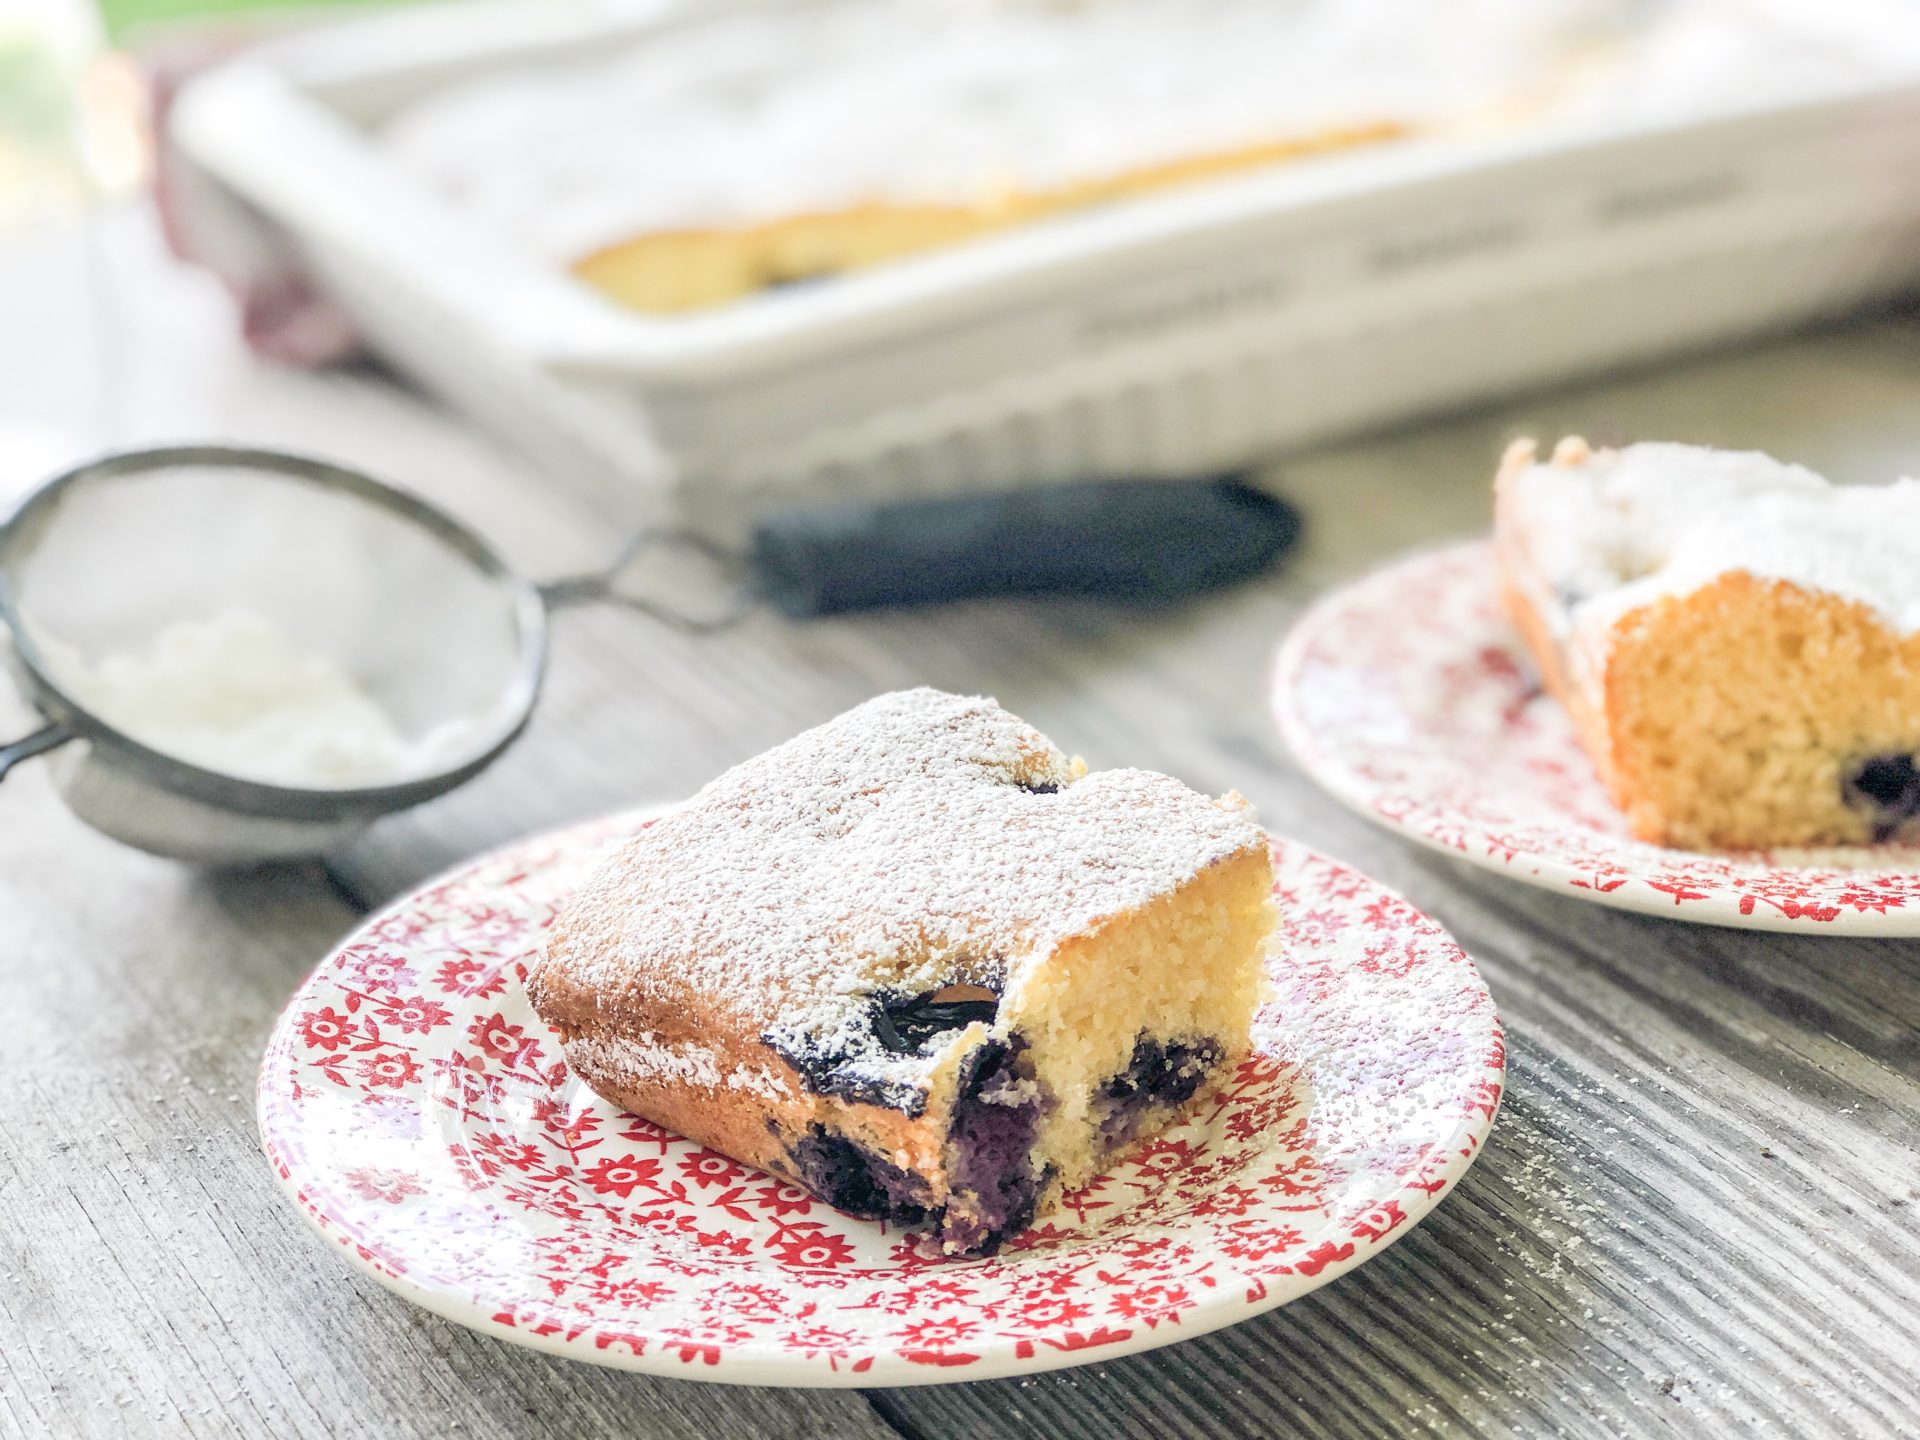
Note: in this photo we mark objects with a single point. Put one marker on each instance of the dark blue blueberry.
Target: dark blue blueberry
(994, 1182)
(853, 1178)
(904, 1024)
(1160, 1074)
(897, 1025)
(1887, 787)
(827, 1070)
(996, 1119)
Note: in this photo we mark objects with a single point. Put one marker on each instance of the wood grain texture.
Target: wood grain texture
(1696, 1216)
(153, 1281)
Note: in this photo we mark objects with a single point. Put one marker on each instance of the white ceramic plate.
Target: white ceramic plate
(1412, 699)
(420, 1115)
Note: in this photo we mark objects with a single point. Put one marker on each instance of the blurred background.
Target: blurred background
(692, 254)
(878, 304)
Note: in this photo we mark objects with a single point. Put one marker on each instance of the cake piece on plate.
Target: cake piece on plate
(1737, 641)
(918, 961)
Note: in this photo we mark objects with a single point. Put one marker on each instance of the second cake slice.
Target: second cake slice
(1737, 641)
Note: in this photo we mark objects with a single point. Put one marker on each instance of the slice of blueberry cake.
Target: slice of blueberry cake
(1736, 640)
(920, 962)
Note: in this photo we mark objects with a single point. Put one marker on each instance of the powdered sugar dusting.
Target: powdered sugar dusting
(917, 839)
(1614, 530)
(651, 1058)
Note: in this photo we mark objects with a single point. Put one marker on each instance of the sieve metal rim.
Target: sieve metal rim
(232, 792)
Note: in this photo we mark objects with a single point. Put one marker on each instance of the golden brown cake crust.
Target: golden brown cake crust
(670, 271)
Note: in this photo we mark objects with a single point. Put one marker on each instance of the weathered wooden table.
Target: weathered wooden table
(1696, 1217)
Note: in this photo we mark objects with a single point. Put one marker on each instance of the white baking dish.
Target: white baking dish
(1185, 332)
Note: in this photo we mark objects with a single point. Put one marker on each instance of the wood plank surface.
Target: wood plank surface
(153, 1279)
(1696, 1216)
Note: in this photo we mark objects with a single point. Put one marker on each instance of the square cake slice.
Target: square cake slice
(1736, 640)
(919, 962)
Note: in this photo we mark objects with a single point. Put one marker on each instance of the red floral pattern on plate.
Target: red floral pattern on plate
(1411, 698)
(420, 1114)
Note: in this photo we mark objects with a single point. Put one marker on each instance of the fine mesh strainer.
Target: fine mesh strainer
(428, 629)
(429, 623)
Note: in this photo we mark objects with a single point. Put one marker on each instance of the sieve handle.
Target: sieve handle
(604, 586)
(47, 737)
(1138, 540)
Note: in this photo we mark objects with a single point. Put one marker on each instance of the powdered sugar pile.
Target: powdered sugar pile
(236, 693)
(918, 836)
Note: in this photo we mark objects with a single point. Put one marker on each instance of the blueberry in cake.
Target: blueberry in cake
(918, 961)
(1736, 640)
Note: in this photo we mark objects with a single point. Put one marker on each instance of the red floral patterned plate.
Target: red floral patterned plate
(420, 1115)
(1411, 698)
